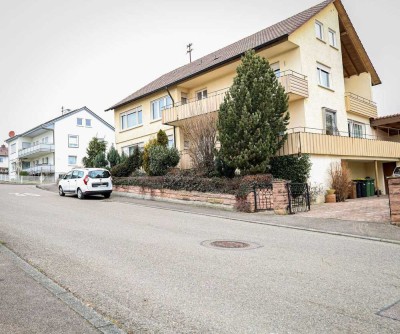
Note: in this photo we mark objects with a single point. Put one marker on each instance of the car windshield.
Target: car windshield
(396, 170)
(99, 174)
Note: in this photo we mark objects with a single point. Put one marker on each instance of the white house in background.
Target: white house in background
(54, 147)
(3, 159)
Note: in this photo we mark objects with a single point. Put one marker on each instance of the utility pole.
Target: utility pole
(189, 51)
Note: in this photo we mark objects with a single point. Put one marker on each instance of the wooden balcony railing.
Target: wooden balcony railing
(295, 84)
(309, 141)
(358, 105)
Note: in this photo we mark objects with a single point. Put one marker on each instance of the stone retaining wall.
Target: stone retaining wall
(280, 197)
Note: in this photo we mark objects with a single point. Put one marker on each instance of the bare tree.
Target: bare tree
(340, 180)
(201, 132)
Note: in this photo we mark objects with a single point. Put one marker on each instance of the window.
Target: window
(319, 30)
(276, 68)
(45, 140)
(170, 141)
(99, 174)
(128, 150)
(184, 98)
(158, 106)
(68, 176)
(330, 122)
(1, 159)
(72, 160)
(332, 38)
(79, 121)
(26, 145)
(356, 129)
(13, 166)
(202, 94)
(88, 123)
(131, 118)
(45, 161)
(324, 75)
(73, 141)
(13, 148)
(186, 144)
(75, 174)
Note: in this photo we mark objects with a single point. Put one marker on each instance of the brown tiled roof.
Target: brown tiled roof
(256, 41)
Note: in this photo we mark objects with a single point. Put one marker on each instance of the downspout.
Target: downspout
(173, 104)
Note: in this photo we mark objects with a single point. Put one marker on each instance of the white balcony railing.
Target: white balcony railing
(35, 150)
(40, 169)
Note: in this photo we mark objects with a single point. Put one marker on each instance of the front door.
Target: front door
(388, 169)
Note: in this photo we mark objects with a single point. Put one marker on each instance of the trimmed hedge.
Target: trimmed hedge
(239, 186)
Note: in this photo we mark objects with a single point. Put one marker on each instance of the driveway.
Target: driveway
(369, 209)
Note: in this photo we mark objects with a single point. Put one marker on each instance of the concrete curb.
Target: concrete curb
(355, 236)
(86, 312)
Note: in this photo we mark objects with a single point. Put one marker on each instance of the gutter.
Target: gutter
(173, 104)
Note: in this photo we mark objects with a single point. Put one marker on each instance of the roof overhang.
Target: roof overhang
(355, 58)
(391, 122)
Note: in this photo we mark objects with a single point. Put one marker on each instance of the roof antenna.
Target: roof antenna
(62, 110)
(189, 51)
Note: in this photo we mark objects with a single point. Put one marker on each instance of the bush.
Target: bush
(23, 173)
(146, 155)
(291, 167)
(223, 169)
(162, 138)
(161, 159)
(340, 180)
(239, 186)
(131, 164)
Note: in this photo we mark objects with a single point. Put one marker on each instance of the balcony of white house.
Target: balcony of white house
(39, 169)
(360, 106)
(318, 142)
(35, 151)
(295, 85)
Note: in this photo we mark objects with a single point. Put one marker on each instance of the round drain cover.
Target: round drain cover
(230, 244)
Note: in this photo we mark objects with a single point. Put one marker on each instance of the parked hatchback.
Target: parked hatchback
(85, 182)
(396, 171)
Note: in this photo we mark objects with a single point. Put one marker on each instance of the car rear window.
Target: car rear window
(99, 174)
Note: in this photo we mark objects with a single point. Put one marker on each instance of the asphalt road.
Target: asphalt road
(146, 269)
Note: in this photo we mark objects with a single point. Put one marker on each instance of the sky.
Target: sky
(94, 53)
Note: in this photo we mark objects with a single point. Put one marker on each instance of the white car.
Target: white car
(85, 182)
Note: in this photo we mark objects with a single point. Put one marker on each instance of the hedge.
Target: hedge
(239, 186)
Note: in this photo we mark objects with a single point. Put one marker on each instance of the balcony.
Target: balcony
(315, 141)
(360, 106)
(295, 84)
(40, 169)
(36, 151)
(193, 107)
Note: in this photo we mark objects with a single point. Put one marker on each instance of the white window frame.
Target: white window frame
(319, 30)
(79, 120)
(72, 145)
(128, 150)
(13, 148)
(351, 124)
(162, 103)
(335, 131)
(171, 141)
(332, 38)
(1, 159)
(322, 69)
(201, 94)
(90, 122)
(137, 113)
(69, 161)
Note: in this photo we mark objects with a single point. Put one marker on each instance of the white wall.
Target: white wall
(68, 126)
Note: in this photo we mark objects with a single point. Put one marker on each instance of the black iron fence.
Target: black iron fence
(299, 197)
(263, 198)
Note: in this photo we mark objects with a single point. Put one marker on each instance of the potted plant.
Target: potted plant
(330, 196)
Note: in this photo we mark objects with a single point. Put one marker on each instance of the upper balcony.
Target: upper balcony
(295, 85)
(316, 141)
(360, 106)
(36, 151)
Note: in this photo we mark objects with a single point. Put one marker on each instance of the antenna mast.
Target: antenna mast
(189, 51)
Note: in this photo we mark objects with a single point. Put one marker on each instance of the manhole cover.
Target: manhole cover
(230, 244)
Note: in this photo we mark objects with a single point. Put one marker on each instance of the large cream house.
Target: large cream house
(323, 66)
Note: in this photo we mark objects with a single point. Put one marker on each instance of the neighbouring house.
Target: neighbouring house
(56, 146)
(3, 159)
(319, 60)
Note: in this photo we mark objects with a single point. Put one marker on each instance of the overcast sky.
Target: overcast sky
(94, 53)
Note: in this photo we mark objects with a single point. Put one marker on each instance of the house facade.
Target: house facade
(3, 159)
(54, 147)
(324, 68)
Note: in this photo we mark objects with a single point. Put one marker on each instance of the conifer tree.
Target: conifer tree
(253, 117)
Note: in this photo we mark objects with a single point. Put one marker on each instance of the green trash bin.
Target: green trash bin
(370, 187)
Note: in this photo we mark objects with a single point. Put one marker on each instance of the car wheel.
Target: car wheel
(106, 195)
(80, 194)
(61, 191)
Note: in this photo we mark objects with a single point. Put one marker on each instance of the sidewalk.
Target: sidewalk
(28, 307)
(353, 226)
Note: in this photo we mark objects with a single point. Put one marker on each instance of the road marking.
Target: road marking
(24, 194)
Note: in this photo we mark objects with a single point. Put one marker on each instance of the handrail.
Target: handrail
(360, 98)
(336, 132)
(36, 148)
(291, 72)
